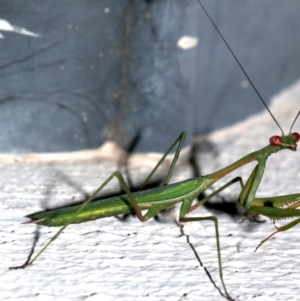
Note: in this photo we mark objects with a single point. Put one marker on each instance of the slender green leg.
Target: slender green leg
(187, 208)
(280, 229)
(150, 213)
(204, 200)
(180, 141)
(215, 220)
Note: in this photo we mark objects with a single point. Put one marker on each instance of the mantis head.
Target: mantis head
(286, 141)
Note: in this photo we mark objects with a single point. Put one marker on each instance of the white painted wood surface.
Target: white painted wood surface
(112, 260)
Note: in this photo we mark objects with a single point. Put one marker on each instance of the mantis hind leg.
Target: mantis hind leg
(180, 140)
(150, 213)
(153, 209)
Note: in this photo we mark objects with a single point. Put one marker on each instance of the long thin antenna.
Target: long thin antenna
(238, 62)
(294, 122)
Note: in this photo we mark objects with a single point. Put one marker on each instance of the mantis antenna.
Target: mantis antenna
(294, 122)
(238, 62)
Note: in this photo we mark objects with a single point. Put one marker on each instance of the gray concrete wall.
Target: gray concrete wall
(91, 71)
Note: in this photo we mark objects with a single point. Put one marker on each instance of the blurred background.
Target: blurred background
(75, 74)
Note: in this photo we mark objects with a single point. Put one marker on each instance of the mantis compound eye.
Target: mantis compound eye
(296, 136)
(275, 140)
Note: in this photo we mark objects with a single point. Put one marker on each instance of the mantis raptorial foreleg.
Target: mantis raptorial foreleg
(279, 229)
(282, 213)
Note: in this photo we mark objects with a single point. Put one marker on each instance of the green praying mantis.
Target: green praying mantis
(157, 199)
